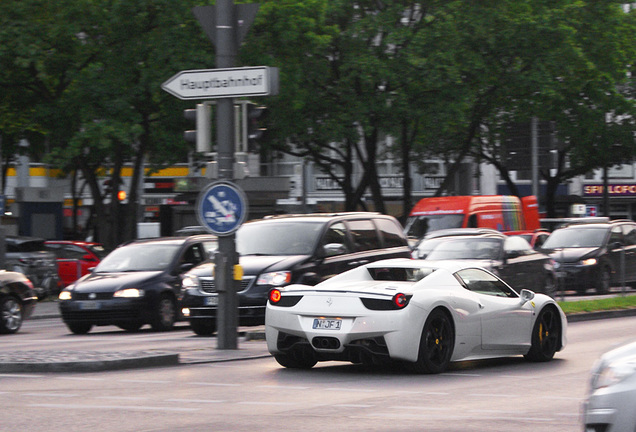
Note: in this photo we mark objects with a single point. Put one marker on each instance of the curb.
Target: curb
(591, 316)
(89, 362)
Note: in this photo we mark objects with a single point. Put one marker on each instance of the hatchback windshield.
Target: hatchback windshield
(576, 238)
(281, 238)
(140, 257)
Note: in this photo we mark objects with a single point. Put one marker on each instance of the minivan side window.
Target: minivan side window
(364, 235)
(391, 233)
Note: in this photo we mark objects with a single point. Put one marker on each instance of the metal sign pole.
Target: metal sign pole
(226, 258)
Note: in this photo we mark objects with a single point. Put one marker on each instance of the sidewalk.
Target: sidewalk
(251, 345)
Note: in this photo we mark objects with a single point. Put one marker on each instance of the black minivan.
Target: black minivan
(286, 249)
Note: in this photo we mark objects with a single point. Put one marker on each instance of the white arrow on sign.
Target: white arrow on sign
(223, 83)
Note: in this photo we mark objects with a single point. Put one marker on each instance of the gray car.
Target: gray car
(609, 406)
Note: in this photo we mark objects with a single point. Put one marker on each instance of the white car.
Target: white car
(609, 406)
(422, 313)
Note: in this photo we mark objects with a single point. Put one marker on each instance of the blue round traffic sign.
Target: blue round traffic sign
(221, 207)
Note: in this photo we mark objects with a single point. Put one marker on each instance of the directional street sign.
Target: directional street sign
(221, 208)
(223, 83)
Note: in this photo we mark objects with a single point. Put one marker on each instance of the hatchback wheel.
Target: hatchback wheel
(604, 280)
(165, 315)
(10, 315)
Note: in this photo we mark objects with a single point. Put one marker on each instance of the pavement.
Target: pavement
(251, 345)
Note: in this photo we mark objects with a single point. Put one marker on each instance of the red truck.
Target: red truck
(499, 212)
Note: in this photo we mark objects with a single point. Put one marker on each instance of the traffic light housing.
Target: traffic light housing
(201, 135)
(256, 129)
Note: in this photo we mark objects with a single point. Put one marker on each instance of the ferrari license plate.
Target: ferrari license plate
(211, 301)
(327, 324)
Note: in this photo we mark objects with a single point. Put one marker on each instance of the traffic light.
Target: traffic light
(201, 136)
(256, 129)
(121, 195)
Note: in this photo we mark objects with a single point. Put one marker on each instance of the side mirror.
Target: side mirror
(88, 257)
(333, 249)
(615, 245)
(526, 296)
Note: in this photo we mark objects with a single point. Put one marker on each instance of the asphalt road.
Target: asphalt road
(259, 395)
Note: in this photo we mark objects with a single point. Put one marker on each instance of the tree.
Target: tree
(90, 76)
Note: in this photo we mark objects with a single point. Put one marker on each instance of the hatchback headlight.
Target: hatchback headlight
(589, 261)
(65, 295)
(129, 293)
(612, 373)
(274, 278)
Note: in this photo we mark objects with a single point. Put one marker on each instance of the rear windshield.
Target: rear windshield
(400, 274)
(582, 237)
(418, 226)
(280, 238)
(473, 248)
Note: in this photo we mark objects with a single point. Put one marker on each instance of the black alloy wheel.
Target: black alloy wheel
(436, 344)
(546, 336)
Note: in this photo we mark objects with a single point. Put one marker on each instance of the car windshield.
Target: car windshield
(418, 226)
(139, 257)
(583, 237)
(472, 248)
(284, 238)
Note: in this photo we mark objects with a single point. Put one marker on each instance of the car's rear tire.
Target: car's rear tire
(11, 315)
(165, 314)
(299, 360)
(436, 344)
(203, 327)
(546, 336)
(79, 328)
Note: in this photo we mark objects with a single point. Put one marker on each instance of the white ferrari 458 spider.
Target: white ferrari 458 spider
(425, 314)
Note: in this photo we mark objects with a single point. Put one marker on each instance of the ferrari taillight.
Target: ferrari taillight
(274, 296)
(400, 300)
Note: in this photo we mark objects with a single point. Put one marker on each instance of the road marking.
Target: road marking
(492, 395)
(114, 407)
(353, 406)
(52, 394)
(129, 398)
(20, 376)
(284, 387)
(196, 400)
(348, 389)
(214, 384)
(80, 378)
